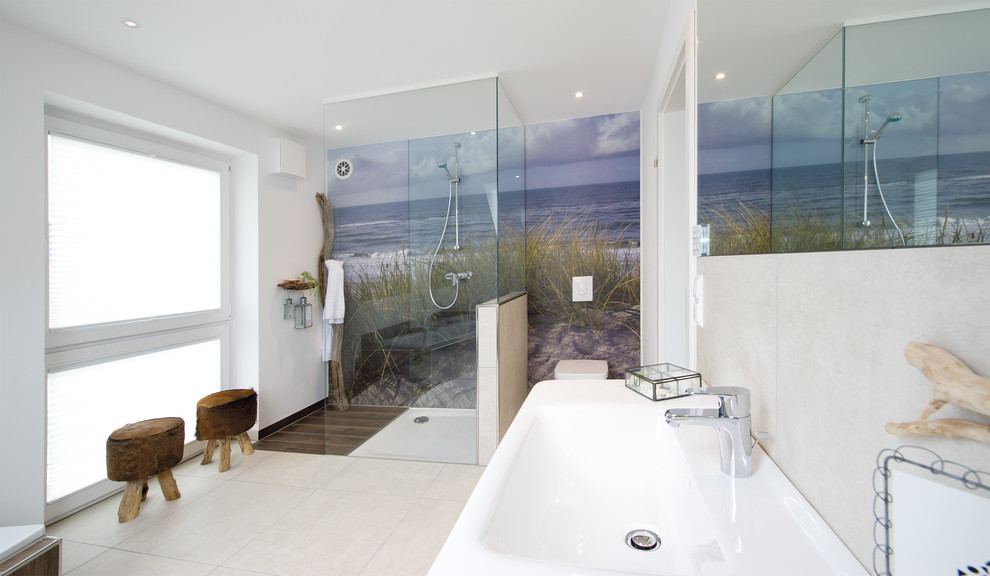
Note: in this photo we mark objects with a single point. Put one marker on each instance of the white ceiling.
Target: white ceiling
(278, 61)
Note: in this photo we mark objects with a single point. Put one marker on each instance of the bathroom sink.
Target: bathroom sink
(586, 463)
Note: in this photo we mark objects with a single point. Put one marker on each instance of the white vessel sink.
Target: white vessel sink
(587, 462)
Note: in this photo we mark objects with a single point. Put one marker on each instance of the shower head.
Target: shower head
(457, 144)
(895, 117)
(865, 98)
(443, 164)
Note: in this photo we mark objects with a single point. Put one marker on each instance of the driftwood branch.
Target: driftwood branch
(953, 383)
(335, 375)
(948, 427)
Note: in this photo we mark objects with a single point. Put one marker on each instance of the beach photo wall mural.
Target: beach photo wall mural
(419, 229)
(582, 219)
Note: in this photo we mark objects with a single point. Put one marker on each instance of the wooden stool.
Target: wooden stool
(223, 415)
(141, 450)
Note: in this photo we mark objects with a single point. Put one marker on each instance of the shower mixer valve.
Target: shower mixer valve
(456, 277)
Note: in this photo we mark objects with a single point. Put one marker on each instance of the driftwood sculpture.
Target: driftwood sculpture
(953, 383)
(335, 375)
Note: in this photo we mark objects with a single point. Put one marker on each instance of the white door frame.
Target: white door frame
(677, 206)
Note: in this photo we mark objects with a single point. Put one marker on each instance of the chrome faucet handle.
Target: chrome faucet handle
(733, 400)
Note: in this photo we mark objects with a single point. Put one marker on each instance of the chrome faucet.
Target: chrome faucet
(732, 423)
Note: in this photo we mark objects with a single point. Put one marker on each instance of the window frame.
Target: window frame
(59, 338)
(72, 347)
(98, 353)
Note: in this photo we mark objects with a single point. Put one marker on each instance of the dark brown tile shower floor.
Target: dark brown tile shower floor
(328, 431)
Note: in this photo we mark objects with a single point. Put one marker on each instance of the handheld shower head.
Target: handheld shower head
(443, 164)
(895, 117)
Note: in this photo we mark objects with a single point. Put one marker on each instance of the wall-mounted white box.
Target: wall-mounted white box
(288, 158)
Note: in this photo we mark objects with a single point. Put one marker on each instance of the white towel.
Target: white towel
(327, 341)
(333, 310)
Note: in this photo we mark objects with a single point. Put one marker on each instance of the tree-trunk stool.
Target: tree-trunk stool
(224, 415)
(139, 451)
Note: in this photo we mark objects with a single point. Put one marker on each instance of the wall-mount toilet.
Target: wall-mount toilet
(581, 370)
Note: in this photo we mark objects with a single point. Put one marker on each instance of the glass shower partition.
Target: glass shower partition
(428, 189)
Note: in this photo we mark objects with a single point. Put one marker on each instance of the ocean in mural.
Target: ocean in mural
(613, 205)
(366, 235)
(962, 186)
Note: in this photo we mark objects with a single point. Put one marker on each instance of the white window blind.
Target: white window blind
(131, 236)
(87, 403)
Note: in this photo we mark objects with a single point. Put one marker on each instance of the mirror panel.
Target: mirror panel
(920, 84)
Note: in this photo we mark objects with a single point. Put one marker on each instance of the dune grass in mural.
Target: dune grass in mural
(388, 305)
(749, 230)
(579, 246)
(608, 327)
(406, 345)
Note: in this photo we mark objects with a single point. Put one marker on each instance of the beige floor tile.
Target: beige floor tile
(122, 563)
(301, 470)
(392, 477)
(411, 549)
(221, 571)
(454, 482)
(75, 554)
(239, 464)
(219, 525)
(330, 534)
(98, 524)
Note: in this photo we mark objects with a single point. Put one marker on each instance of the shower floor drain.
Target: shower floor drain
(421, 419)
(643, 540)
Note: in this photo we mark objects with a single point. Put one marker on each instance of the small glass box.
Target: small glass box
(661, 381)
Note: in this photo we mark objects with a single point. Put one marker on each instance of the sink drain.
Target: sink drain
(643, 540)
(421, 419)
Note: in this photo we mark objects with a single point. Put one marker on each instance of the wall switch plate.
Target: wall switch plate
(582, 288)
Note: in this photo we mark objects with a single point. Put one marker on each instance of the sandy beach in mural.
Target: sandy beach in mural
(614, 339)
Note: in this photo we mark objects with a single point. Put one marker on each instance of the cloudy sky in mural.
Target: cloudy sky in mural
(583, 151)
(945, 115)
(379, 174)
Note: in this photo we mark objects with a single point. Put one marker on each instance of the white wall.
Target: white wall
(276, 234)
(819, 339)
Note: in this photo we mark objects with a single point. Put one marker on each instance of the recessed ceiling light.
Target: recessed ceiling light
(720, 75)
(579, 94)
(130, 23)
(339, 127)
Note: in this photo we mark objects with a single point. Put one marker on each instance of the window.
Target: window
(137, 295)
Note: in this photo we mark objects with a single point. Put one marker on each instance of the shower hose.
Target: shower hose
(876, 174)
(433, 260)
